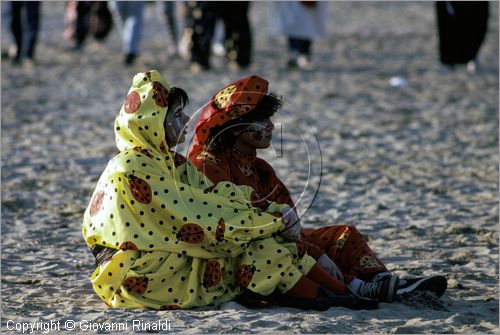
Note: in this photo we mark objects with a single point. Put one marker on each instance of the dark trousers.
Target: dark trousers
(238, 39)
(299, 45)
(25, 37)
(462, 27)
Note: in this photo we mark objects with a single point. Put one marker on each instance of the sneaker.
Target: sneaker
(436, 284)
(326, 299)
(383, 289)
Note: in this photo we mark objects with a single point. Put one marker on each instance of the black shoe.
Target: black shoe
(129, 59)
(363, 302)
(436, 284)
(349, 300)
(383, 289)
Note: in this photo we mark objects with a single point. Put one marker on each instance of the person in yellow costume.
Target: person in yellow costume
(165, 237)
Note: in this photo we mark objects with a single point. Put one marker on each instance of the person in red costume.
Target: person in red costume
(230, 130)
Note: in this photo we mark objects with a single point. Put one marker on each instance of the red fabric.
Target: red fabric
(232, 102)
(322, 277)
(348, 249)
(344, 244)
(304, 289)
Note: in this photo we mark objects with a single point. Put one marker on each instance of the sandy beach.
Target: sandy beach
(375, 136)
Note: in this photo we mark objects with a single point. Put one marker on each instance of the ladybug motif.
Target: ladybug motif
(210, 188)
(178, 159)
(140, 189)
(219, 232)
(160, 94)
(238, 110)
(244, 275)
(222, 98)
(191, 233)
(169, 307)
(138, 285)
(127, 246)
(163, 148)
(205, 155)
(257, 202)
(132, 102)
(368, 262)
(245, 169)
(96, 203)
(143, 151)
(339, 244)
(212, 274)
(301, 249)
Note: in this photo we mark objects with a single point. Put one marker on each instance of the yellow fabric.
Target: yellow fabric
(182, 242)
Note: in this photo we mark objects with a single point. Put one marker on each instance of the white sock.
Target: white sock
(355, 284)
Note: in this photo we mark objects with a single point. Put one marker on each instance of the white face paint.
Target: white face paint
(175, 123)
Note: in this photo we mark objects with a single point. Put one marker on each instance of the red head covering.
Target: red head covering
(232, 102)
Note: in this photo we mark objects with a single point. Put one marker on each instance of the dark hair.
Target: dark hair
(177, 96)
(221, 137)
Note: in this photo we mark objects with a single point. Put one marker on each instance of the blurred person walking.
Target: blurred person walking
(462, 26)
(80, 17)
(202, 17)
(171, 22)
(24, 25)
(301, 22)
(129, 15)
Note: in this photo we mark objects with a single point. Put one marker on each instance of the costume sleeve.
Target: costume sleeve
(142, 207)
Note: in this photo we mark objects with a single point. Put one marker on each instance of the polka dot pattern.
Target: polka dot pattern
(175, 244)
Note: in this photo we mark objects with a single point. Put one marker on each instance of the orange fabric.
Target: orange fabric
(322, 277)
(243, 169)
(232, 102)
(348, 249)
(303, 289)
(343, 244)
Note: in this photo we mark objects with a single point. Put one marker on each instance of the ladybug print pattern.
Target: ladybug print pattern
(219, 232)
(163, 148)
(169, 307)
(191, 233)
(127, 246)
(301, 249)
(160, 94)
(176, 247)
(212, 274)
(245, 275)
(138, 285)
(96, 203)
(143, 151)
(223, 98)
(258, 202)
(178, 159)
(132, 103)
(140, 189)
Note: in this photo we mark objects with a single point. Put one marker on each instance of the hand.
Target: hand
(327, 264)
(292, 222)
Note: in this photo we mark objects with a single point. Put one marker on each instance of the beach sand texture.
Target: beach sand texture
(413, 166)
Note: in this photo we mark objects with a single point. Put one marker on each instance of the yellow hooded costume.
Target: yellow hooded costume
(173, 239)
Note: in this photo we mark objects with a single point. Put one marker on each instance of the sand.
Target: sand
(406, 153)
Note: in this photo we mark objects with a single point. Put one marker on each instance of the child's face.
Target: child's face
(175, 126)
(258, 134)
